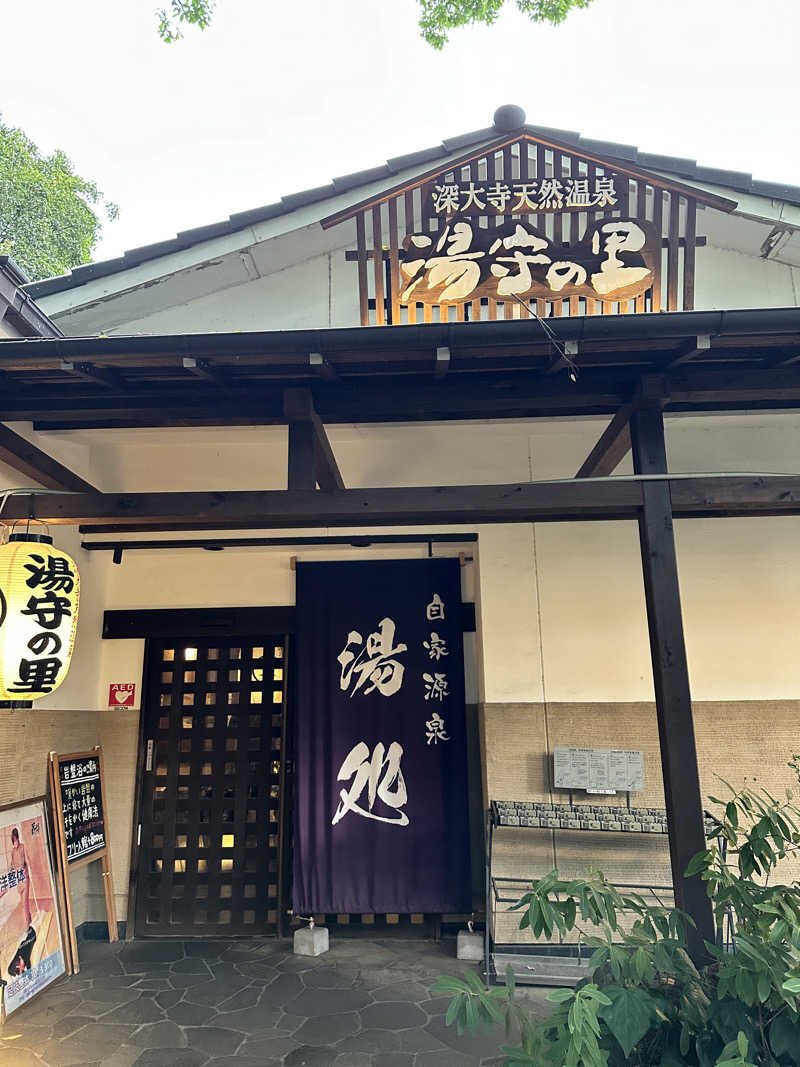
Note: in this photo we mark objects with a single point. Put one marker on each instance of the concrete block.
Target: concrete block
(311, 942)
(469, 946)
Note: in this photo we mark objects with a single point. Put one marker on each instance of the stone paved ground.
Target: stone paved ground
(247, 1004)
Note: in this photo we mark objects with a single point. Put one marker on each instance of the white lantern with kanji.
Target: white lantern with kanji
(39, 595)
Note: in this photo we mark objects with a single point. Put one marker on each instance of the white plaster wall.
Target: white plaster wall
(323, 292)
(726, 278)
(299, 282)
(562, 604)
(297, 298)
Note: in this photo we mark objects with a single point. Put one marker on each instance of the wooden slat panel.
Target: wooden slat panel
(689, 255)
(673, 252)
(641, 213)
(574, 233)
(508, 176)
(361, 246)
(658, 217)
(611, 307)
(409, 205)
(409, 213)
(592, 306)
(474, 313)
(522, 146)
(377, 262)
(394, 265)
(491, 178)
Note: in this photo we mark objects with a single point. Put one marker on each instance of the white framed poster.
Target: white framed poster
(31, 944)
(598, 770)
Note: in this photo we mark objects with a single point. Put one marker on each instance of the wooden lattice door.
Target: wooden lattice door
(211, 840)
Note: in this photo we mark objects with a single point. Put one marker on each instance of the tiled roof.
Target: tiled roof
(682, 168)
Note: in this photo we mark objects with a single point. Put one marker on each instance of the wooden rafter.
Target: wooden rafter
(612, 447)
(22, 456)
(311, 458)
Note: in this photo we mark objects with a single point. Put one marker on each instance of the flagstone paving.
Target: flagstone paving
(248, 1004)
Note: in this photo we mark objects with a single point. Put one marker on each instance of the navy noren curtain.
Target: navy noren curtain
(381, 817)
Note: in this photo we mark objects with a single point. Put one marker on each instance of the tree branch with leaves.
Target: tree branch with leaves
(437, 17)
(50, 217)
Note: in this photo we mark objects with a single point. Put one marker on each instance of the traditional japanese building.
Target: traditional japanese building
(521, 350)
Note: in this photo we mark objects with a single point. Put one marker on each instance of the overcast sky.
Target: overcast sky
(277, 97)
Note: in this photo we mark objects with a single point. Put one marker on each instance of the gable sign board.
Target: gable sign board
(614, 260)
(448, 199)
(559, 214)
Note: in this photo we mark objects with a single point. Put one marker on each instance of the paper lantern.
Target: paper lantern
(39, 595)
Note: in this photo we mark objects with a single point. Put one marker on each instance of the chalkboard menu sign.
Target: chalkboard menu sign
(79, 812)
(81, 792)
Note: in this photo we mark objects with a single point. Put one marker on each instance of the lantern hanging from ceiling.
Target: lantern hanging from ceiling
(39, 595)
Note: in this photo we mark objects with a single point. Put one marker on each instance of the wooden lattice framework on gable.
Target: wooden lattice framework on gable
(384, 220)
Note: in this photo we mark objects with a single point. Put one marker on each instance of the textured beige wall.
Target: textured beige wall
(26, 738)
(742, 741)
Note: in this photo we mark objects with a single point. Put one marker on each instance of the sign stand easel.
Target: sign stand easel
(79, 811)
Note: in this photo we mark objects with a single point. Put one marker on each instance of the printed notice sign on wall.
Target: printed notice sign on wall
(599, 769)
(121, 695)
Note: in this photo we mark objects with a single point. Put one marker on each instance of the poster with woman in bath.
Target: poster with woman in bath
(31, 949)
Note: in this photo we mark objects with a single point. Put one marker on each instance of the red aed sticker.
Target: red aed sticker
(121, 694)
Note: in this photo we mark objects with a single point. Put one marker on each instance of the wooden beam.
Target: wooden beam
(311, 458)
(615, 441)
(699, 346)
(302, 460)
(582, 500)
(322, 367)
(571, 349)
(611, 448)
(106, 376)
(205, 369)
(442, 362)
(18, 453)
(671, 677)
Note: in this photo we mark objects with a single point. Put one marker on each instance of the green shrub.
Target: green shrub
(645, 1003)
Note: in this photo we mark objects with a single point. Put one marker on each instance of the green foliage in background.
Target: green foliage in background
(181, 13)
(49, 218)
(437, 17)
(644, 1002)
(440, 16)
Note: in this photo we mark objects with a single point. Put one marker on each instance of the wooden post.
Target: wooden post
(671, 676)
(103, 853)
(302, 462)
(107, 871)
(72, 964)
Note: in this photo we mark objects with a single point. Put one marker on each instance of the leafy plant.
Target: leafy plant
(644, 1002)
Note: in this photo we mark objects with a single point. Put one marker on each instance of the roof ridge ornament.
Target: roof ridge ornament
(508, 117)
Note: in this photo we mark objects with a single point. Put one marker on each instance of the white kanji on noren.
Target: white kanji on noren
(380, 775)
